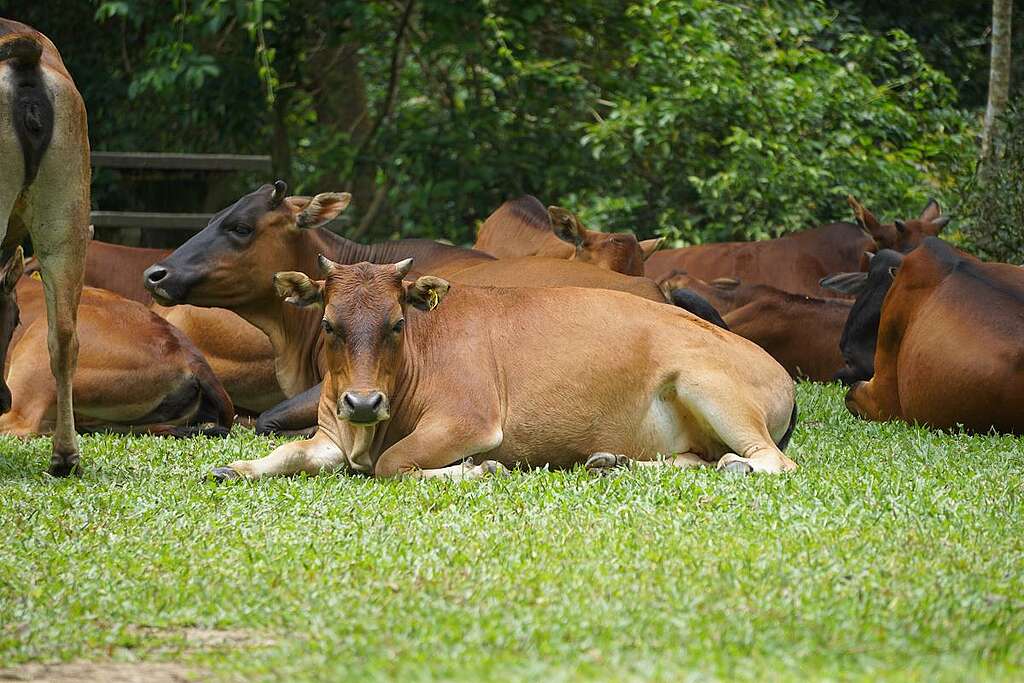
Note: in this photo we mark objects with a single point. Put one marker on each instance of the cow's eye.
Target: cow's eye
(398, 326)
(328, 327)
(241, 230)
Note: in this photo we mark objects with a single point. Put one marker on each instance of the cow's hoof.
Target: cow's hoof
(736, 467)
(64, 469)
(222, 474)
(492, 467)
(605, 461)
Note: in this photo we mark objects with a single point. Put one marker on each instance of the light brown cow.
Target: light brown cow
(240, 354)
(521, 227)
(416, 385)
(136, 372)
(44, 194)
(950, 348)
(220, 267)
(796, 262)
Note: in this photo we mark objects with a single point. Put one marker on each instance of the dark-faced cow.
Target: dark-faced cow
(949, 345)
(44, 194)
(860, 333)
(417, 385)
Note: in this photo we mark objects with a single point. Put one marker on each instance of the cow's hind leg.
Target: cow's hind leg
(59, 232)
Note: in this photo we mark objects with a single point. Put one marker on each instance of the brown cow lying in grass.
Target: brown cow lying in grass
(522, 227)
(524, 377)
(796, 262)
(230, 264)
(950, 347)
(239, 354)
(136, 372)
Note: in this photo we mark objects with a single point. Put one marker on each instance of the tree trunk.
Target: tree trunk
(999, 76)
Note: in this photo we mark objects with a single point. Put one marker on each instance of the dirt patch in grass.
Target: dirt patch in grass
(207, 638)
(108, 672)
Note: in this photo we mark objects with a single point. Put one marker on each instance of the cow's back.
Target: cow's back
(961, 355)
(538, 271)
(794, 263)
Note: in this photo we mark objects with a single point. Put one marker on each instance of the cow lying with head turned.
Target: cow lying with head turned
(522, 227)
(524, 377)
(950, 348)
(136, 372)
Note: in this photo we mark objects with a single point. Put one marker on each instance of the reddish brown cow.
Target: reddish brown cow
(240, 354)
(521, 227)
(949, 348)
(417, 385)
(795, 263)
(44, 194)
(136, 372)
(801, 332)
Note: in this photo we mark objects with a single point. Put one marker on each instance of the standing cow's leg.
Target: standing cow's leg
(59, 231)
(428, 452)
(312, 456)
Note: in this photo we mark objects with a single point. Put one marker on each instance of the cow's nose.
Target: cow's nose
(363, 406)
(154, 274)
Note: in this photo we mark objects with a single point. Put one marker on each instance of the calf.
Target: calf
(44, 194)
(417, 385)
(949, 344)
(860, 333)
(796, 262)
(136, 372)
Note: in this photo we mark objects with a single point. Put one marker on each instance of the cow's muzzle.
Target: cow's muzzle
(160, 283)
(363, 407)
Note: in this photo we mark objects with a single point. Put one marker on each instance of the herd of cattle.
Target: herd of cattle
(545, 344)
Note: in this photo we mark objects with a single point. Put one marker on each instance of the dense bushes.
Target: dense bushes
(694, 119)
(992, 210)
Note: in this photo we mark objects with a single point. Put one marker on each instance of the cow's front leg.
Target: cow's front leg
(312, 456)
(428, 452)
(604, 462)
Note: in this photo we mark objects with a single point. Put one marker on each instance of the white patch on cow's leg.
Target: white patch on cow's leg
(463, 471)
(768, 459)
(680, 460)
(312, 456)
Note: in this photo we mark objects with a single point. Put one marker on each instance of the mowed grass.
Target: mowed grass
(893, 553)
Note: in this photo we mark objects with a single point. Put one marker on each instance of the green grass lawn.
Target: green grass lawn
(893, 553)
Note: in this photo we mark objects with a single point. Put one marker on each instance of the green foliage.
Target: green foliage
(736, 123)
(992, 210)
(693, 119)
(894, 553)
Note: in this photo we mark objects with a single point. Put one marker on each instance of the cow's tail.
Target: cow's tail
(784, 441)
(31, 108)
(21, 48)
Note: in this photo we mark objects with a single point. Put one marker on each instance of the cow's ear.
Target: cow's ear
(931, 211)
(299, 289)
(565, 225)
(648, 247)
(865, 218)
(427, 292)
(939, 223)
(845, 283)
(321, 209)
(12, 271)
